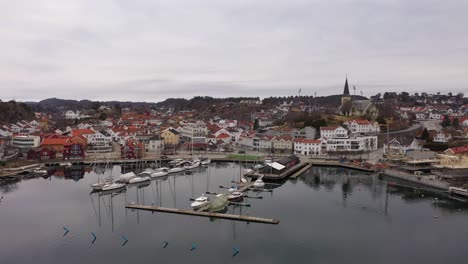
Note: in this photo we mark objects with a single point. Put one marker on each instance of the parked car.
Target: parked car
(241, 152)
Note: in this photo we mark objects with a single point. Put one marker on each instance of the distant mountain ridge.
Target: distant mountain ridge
(12, 112)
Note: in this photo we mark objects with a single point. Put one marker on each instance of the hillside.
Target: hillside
(12, 112)
(52, 104)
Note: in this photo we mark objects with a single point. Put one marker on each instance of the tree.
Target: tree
(256, 125)
(456, 122)
(96, 105)
(381, 120)
(425, 134)
(446, 121)
(103, 116)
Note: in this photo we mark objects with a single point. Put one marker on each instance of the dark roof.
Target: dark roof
(346, 88)
(175, 132)
(105, 133)
(155, 137)
(286, 160)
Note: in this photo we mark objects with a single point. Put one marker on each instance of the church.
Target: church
(358, 108)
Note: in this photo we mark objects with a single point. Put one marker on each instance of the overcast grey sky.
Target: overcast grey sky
(150, 50)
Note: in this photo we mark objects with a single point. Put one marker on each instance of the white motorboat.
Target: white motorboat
(66, 164)
(113, 186)
(126, 177)
(205, 162)
(233, 189)
(258, 183)
(175, 162)
(192, 165)
(139, 179)
(146, 172)
(258, 166)
(161, 172)
(200, 202)
(176, 169)
(248, 171)
(98, 185)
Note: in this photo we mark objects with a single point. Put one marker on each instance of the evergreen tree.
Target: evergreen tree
(456, 122)
(446, 121)
(256, 125)
(425, 134)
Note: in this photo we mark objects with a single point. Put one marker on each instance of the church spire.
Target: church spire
(346, 88)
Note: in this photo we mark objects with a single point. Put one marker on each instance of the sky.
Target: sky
(147, 50)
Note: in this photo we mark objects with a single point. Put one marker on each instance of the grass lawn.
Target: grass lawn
(243, 157)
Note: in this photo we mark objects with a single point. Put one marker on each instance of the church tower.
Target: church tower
(346, 96)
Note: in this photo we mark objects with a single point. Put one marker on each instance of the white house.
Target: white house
(402, 145)
(434, 115)
(155, 144)
(421, 116)
(307, 146)
(282, 143)
(333, 132)
(69, 114)
(352, 144)
(442, 137)
(362, 126)
(99, 138)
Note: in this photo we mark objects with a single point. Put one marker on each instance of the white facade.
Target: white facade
(363, 126)
(421, 116)
(396, 147)
(198, 129)
(69, 114)
(442, 137)
(26, 142)
(307, 146)
(435, 116)
(333, 132)
(99, 138)
(359, 143)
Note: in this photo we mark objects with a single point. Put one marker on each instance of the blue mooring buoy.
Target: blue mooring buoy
(94, 237)
(236, 251)
(66, 231)
(193, 247)
(125, 240)
(165, 244)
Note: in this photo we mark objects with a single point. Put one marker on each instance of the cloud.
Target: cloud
(150, 50)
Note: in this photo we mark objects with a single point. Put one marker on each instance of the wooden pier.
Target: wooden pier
(244, 218)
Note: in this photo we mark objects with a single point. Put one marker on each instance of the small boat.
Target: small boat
(112, 186)
(98, 185)
(66, 164)
(146, 172)
(205, 161)
(139, 179)
(192, 165)
(40, 172)
(248, 171)
(458, 191)
(126, 177)
(258, 183)
(235, 196)
(200, 202)
(176, 169)
(161, 172)
(258, 166)
(233, 188)
(175, 162)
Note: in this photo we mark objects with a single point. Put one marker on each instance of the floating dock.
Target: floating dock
(244, 218)
(339, 164)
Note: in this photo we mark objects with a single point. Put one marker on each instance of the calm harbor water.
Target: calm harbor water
(329, 215)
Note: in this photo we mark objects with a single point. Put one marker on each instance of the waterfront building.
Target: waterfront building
(399, 146)
(307, 146)
(23, 142)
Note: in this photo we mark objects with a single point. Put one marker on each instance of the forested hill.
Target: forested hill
(12, 112)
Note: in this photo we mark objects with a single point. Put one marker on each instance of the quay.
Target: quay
(339, 164)
(429, 181)
(298, 173)
(244, 218)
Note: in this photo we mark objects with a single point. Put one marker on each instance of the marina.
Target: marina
(149, 214)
